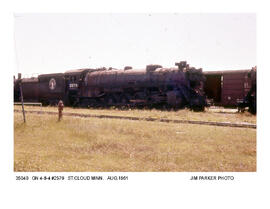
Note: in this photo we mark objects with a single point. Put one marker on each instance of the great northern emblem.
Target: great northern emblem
(52, 84)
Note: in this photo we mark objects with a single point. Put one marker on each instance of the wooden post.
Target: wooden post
(22, 101)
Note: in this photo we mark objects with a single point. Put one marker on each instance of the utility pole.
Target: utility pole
(21, 92)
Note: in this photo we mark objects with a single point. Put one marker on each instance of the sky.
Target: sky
(50, 43)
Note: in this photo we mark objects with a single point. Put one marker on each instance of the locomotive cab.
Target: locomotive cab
(74, 85)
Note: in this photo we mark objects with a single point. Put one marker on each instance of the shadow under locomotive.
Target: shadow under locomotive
(155, 86)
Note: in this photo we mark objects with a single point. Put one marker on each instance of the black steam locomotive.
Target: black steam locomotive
(177, 87)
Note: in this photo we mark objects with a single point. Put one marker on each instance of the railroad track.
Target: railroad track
(225, 124)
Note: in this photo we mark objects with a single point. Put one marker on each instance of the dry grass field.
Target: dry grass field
(92, 144)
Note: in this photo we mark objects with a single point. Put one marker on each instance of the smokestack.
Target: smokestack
(181, 65)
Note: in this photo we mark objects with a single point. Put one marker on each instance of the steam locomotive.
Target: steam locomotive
(177, 87)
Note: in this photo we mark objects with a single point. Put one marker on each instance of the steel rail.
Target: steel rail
(210, 123)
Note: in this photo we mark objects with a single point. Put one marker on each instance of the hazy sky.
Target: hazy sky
(58, 42)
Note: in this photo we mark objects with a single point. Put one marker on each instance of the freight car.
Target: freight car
(250, 99)
(154, 86)
(232, 88)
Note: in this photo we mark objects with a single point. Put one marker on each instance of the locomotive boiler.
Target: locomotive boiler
(153, 86)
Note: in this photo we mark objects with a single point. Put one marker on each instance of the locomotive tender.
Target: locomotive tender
(177, 87)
